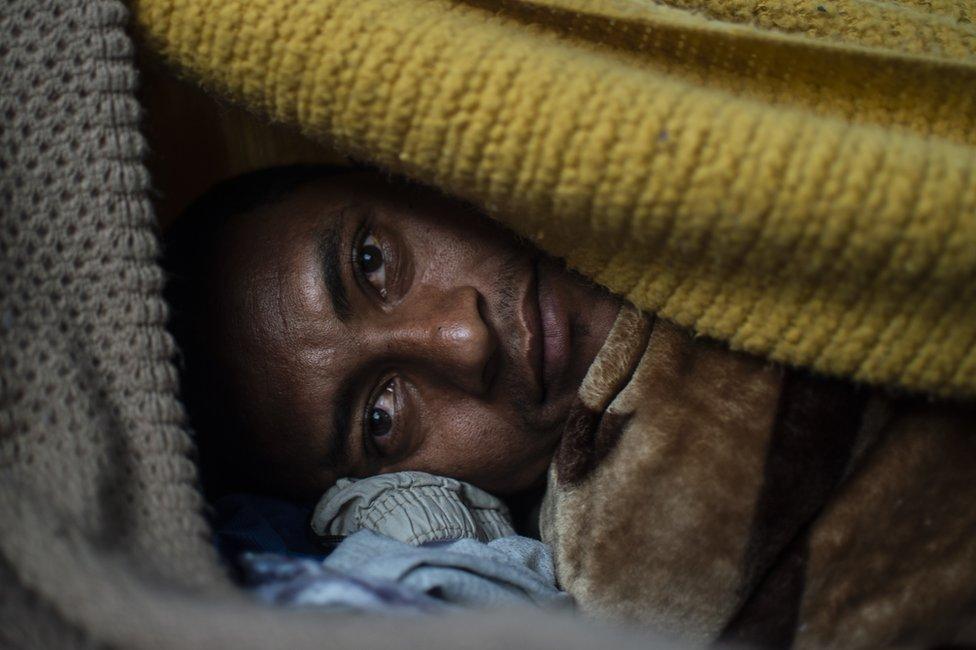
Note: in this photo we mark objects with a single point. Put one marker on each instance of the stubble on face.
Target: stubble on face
(507, 421)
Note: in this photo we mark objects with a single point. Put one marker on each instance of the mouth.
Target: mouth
(535, 344)
(549, 333)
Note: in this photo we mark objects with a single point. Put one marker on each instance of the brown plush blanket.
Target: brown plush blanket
(717, 496)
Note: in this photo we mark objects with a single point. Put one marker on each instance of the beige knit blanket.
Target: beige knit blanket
(102, 542)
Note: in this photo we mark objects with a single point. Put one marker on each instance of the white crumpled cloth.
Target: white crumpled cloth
(412, 507)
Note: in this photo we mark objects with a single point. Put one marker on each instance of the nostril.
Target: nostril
(482, 306)
(490, 371)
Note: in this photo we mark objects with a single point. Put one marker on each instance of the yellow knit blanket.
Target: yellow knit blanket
(795, 177)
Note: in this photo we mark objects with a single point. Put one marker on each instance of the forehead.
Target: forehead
(273, 324)
(269, 265)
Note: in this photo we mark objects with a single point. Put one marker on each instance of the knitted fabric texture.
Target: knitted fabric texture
(103, 543)
(81, 317)
(795, 178)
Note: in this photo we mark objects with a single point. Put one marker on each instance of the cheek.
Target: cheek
(442, 265)
(478, 443)
(448, 256)
(470, 433)
(286, 465)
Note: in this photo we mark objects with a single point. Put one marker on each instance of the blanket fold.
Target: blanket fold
(713, 495)
(798, 180)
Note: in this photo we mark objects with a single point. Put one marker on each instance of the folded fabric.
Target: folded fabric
(370, 572)
(412, 507)
(716, 497)
(288, 580)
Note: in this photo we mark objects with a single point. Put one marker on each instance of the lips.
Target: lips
(556, 334)
(548, 333)
(535, 344)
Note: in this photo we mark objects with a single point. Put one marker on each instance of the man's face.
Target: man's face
(371, 328)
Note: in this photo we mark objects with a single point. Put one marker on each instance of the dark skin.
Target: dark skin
(370, 327)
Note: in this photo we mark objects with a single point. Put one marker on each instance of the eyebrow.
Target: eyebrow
(330, 252)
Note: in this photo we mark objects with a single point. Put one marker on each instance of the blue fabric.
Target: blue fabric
(268, 541)
(290, 580)
(372, 572)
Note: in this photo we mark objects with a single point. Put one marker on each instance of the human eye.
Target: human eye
(370, 263)
(379, 423)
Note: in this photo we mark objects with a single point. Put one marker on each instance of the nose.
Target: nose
(447, 333)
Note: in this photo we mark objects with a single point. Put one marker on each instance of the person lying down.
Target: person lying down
(335, 324)
(340, 324)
